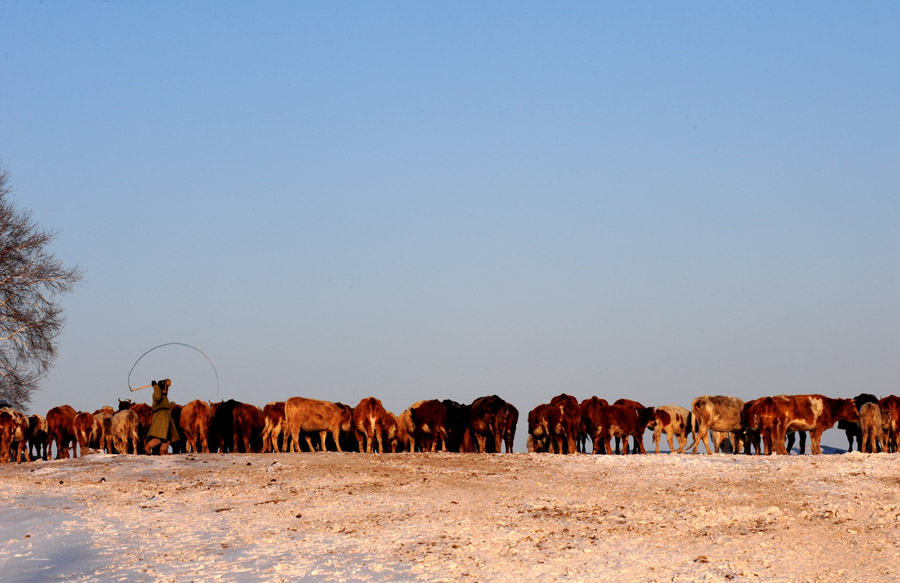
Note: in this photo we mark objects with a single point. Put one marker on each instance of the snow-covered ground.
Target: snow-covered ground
(451, 517)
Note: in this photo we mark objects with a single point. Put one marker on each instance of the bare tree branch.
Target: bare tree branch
(30, 319)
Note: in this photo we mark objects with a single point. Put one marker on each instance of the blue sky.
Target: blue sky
(409, 200)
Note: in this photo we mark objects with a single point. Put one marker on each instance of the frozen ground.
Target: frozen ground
(451, 517)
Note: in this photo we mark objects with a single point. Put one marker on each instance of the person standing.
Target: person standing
(162, 427)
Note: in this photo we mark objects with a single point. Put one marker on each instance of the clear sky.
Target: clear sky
(417, 200)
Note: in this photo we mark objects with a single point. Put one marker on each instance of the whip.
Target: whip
(170, 344)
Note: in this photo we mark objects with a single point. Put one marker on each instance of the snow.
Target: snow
(451, 517)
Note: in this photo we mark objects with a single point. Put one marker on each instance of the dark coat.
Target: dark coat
(162, 426)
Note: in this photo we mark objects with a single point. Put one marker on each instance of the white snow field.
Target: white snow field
(451, 517)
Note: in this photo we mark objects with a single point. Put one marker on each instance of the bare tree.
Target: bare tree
(31, 278)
